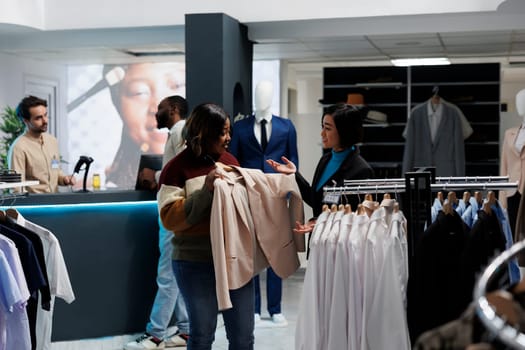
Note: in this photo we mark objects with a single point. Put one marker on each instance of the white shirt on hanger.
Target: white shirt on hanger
(307, 330)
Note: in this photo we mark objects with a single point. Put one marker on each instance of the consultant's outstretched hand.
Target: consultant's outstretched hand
(287, 168)
(304, 228)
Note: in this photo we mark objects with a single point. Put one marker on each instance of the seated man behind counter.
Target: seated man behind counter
(34, 154)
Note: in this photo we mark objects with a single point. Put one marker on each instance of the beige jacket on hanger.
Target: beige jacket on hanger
(251, 227)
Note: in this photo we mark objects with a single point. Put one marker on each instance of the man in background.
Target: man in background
(171, 113)
(34, 154)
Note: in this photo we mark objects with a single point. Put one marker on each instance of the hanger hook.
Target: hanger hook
(395, 192)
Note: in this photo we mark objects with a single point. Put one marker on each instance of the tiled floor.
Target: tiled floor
(267, 336)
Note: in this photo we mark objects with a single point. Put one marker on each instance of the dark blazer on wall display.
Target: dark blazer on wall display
(245, 147)
(447, 153)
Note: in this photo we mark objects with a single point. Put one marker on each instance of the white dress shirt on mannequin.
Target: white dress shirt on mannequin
(263, 109)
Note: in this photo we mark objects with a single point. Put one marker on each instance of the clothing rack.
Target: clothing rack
(418, 190)
(462, 180)
(416, 202)
(494, 323)
(400, 187)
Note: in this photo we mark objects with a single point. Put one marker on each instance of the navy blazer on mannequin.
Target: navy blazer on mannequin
(245, 147)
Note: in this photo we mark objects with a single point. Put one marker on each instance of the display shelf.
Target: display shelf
(394, 91)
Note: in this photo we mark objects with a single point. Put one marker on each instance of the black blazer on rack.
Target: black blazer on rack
(437, 278)
(354, 167)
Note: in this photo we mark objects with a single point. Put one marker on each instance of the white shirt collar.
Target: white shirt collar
(259, 118)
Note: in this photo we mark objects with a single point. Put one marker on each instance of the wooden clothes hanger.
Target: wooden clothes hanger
(12, 213)
(435, 99)
(478, 197)
(360, 209)
(466, 197)
(448, 207)
(452, 198)
(491, 199)
(439, 197)
(369, 204)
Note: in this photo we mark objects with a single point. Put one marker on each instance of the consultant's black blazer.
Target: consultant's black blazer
(354, 167)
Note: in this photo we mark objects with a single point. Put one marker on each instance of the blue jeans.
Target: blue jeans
(274, 291)
(168, 300)
(197, 285)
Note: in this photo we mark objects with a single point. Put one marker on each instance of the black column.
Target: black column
(218, 62)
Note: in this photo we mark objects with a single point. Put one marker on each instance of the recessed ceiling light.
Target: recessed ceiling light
(405, 62)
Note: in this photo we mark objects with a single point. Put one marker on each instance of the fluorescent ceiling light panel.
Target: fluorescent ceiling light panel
(405, 62)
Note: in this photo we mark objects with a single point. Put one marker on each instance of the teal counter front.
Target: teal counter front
(109, 241)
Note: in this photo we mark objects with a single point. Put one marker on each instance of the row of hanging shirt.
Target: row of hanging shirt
(354, 293)
(32, 267)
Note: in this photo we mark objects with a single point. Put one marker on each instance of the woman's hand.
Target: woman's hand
(210, 179)
(304, 229)
(287, 168)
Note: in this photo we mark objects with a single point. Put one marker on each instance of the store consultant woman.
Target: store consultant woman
(342, 131)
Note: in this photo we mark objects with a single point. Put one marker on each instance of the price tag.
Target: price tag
(331, 198)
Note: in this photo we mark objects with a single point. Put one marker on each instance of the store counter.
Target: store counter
(109, 240)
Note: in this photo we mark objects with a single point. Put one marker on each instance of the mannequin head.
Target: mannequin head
(520, 103)
(263, 96)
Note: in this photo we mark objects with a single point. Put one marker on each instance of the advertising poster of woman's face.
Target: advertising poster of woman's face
(117, 124)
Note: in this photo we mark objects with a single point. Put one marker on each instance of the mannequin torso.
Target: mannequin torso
(520, 108)
(512, 162)
(263, 109)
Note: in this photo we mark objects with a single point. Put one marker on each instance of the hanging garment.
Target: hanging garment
(44, 291)
(59, 283)
(352, 255)
(14, 294)
(307, 331)
(384, 286)
(446, 153)
(274, 203)
(345, 273)
(31, 256)
(512, 164)
(437, 273)
(503, 218)
(483, 243)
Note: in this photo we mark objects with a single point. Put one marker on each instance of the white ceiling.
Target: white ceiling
(468, 37)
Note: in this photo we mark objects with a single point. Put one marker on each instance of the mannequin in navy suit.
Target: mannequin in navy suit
(246, 146)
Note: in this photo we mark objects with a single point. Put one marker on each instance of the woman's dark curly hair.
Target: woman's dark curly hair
(203, 127)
